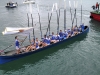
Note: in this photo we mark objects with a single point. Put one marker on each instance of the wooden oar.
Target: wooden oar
(6, 48)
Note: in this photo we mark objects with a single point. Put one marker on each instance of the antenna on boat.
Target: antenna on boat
(64, 15)
(39, 20)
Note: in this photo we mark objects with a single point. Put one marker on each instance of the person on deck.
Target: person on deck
(58, 37)
(93, 7)
(65, 34)
(17, 45)
(97, 6)
(32, 46)
(53, 38)
(37, 43)
(69, 33)
(44, 41)
(61, 34)
(82, 27)
(75, 29)
(48, 40)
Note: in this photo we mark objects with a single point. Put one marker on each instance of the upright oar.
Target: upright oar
(32, 20)
(57, 17)
(28, 24)
(49, 19)
(48, 22)
(75, 12)
(39, 21)
(81, 11)
(75, 6)
(70, 10)
(28, 19)
(64, 15)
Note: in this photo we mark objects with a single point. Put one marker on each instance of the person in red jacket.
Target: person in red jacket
(97, 6)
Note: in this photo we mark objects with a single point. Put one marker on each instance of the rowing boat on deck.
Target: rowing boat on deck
(10, 55)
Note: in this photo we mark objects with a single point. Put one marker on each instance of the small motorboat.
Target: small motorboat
(11, 5)
(29, 1)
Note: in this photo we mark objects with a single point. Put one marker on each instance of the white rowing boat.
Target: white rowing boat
(29, 1)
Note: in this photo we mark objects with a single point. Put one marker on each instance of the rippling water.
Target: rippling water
(79, 57)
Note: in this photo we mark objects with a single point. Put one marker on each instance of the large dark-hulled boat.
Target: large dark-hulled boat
(11, 55)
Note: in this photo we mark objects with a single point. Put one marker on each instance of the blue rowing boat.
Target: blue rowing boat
(10, 55)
